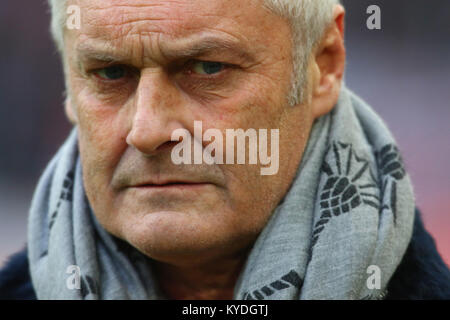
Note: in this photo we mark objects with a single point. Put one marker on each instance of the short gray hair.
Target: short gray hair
(308, 20)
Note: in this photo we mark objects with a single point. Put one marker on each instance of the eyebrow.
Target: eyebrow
(208, 45)
(184, 50)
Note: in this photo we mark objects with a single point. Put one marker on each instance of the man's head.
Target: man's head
(138, 70)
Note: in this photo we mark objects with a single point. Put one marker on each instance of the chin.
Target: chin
(182, 237)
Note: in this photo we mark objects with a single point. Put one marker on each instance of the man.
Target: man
(116, 217)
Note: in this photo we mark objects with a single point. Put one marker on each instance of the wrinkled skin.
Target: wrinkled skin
(198, 234)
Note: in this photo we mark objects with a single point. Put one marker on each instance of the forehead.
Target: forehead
(147, 23)
(171, 16)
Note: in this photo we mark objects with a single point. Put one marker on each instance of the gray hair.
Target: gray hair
(308, 20)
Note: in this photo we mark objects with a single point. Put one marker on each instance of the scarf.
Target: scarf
(340, 232)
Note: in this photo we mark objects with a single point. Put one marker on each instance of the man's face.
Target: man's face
(137, 72)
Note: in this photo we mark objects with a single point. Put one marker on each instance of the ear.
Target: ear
(328, 65)
(70, 113)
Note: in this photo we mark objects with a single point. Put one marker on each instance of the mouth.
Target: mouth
(169, 185)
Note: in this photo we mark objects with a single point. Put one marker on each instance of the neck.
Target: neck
(210, 281)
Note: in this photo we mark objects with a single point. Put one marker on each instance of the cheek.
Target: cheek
(252, 108)
(102, 140)
(100, 150)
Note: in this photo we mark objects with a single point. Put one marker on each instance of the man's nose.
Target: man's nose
(156, 113)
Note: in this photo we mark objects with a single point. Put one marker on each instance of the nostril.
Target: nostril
(167, 145)
(149, 140)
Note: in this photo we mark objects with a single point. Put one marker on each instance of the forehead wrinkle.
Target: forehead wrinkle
(170, 49)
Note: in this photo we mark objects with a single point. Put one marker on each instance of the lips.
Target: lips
(143, 179)
(170, 184)
(170, 187)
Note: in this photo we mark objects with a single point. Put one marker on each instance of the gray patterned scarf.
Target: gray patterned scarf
(339, 233)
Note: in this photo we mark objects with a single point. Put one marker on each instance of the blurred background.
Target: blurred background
(402, 70)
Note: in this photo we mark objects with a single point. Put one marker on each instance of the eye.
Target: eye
(207, 67)
(111, 73)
